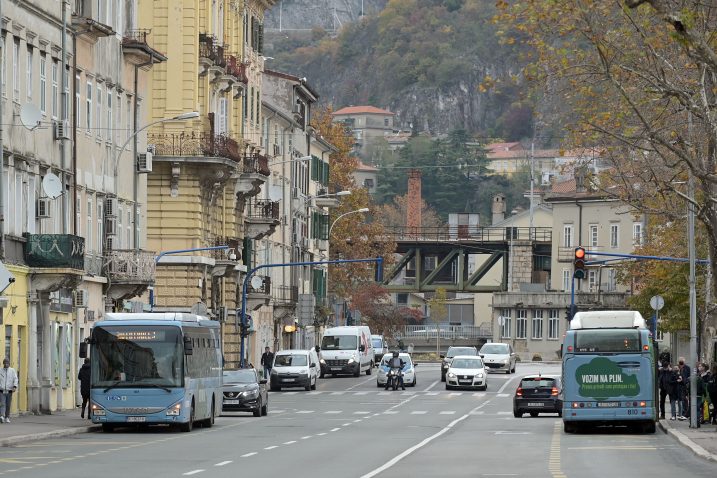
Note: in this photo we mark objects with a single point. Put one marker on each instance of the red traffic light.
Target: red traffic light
(579, 263)
(579, 253)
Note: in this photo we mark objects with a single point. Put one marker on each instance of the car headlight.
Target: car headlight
(479, 375)
(322, 361)
(97, 410)
(505, 361)
(452, 375)
(250, 393)
(175, 409)
(351, 361)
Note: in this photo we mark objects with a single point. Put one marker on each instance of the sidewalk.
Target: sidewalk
(26, 428)
(701, 441)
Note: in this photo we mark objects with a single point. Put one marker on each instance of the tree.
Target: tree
(639, 79)
(393, 215)
(379, 313)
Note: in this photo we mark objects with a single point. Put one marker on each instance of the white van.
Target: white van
(347, 350)
(294, 368)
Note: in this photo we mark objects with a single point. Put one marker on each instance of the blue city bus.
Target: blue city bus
(609, 372)
(155, 368)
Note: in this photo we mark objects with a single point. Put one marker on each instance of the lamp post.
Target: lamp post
(363, 209)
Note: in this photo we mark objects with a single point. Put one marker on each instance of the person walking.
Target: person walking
(703, 377)
(662, 374)
(84, 378)
(668, 388)
(267, 361)
(683, 388)
(8, 386)
(712, 393)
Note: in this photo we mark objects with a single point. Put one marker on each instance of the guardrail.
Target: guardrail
(432, 331)
(482, 234)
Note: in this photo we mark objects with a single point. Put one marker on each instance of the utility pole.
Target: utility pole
(2, 149)
(532, 182)
(64, 77)
(694, 423)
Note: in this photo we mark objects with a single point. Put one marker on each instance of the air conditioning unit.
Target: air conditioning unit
(144, 162)
(42, 208)
(110, 207)
(62, 129)
(110, 226)
(80, 298)
(151, 148)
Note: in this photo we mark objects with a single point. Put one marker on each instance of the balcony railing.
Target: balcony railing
(131, 266)
(263, 209)
(237, 69)
(135, 36)
(196, 144)
(211, 49)
(55, 250)
(431, 331)
(256, 163)
(286, 294)
(264, 288)
(223, 254)
(483, 234)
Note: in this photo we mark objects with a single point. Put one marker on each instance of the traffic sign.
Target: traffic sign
(657, 302)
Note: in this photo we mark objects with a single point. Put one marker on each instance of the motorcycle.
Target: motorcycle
(394, 378)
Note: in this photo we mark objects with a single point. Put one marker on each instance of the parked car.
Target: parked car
(409, 372)
(243, 391)
(452, 352)
(499, 357)
(467, 371)
(294, 368)
(347, 350)
(538, 394)
(380, 348)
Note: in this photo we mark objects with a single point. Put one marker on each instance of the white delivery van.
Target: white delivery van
(346, 350)
(294, 368)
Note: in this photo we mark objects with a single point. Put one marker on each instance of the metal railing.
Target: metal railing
(223, 254)
(482, 234)
(256, 163)
(236, 68)
(286, 294)
(196, 144)
(55, 250)
(264, 288)
(136, 36)
(93, 264)
(446, 331)
(131, 265)
(263, 209)
(210, 48)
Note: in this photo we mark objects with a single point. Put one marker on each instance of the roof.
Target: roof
(568, 186)
(514, 146)
(357, 110)
(365, 167)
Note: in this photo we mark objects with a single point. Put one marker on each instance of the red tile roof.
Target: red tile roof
(568, 186)
(364, 167)
(357, 110)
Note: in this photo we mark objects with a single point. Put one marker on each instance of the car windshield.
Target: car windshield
(537, 382)
(453, 351)
(293, 360)
(377, 343)
(497, 349)
(339, 342)
(240, 376)
(467, 363)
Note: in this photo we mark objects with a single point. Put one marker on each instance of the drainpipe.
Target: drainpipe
(2, 150)
(63, 114)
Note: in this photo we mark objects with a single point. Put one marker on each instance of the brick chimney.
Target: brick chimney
(413, 206)
(498, 208)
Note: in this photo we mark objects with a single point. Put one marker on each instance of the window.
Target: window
(55, 88)
(504, 321)
(385, 121)
(637, 234)
(88, 233)
(593, 235)
(402, 299)
(567, 277)
(554, 324)
(28, 72)
(537, 325)
(109, 115)
(78, 101)
(251, 105)
(18, 205)
(118, 127)
(137, 234)
(120, 214)
(43, 84)
(222, 117)
(4, 68)
(128, 244)
(611, 280)
(521, 324)
(592, 280)
(567, 235)
(614, 232)
(88, 107)
(66, 99)
(128, 128)
(258, 109)
(31, 204)
(100, 224)
(16, 69)
(78, 213)
(98, 112)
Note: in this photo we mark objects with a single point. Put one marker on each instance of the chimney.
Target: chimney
(498, 208)
(413, 205)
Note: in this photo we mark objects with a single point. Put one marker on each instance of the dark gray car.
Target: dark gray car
(242, 391)
(453, 352)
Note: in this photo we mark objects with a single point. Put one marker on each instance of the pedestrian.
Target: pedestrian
(8, 386)
(267, 361)
(703, 376)
(712, 393)
(84, 378)
(683, 388)
(667, 381)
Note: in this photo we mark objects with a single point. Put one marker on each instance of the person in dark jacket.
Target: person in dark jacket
(84, 378)
(668, 387)
(703, 378)
(683, 389)
(712, 392)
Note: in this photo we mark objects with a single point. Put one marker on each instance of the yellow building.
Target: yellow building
(208, 171)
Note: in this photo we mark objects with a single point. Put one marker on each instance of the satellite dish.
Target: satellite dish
(199, 309)
(30, 116)
(52, 186)
(256, 282)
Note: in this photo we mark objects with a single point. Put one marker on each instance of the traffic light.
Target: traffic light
(246, 326)
(579, 263)
(570, 312)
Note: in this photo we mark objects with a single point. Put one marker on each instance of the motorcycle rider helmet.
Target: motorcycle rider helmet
(395, 354)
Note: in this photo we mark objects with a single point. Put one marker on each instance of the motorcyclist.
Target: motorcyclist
(396, 362)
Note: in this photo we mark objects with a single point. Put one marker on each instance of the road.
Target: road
(350, 428)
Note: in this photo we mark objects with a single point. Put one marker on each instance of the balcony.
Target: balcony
(136, 48)
(285, 295)
(254, 172)
(218, 156)
(258, 292)
(261, 218)
(130, 272)
(85, 14)
(225, 260)
(211, 55)
(58, 260)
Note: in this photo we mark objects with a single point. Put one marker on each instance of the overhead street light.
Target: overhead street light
(363, 209)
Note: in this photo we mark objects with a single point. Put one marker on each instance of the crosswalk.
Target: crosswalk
(406, 393)
(350, 414)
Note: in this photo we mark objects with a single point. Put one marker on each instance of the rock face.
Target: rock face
(304, 15)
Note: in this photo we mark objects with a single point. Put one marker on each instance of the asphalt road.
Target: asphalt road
(350, 428)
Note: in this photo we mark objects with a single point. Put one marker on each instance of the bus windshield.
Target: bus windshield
(607, 341)
(138, 356)
(339, 342)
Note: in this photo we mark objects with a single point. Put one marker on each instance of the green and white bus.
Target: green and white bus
(609, 371)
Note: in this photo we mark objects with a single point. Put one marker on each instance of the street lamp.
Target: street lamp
(363, 209)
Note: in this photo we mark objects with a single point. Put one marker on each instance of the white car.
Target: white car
(467, 371)
(499, 357)
(409, 372)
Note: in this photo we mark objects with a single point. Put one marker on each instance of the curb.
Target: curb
(686, 442)
(61, 432)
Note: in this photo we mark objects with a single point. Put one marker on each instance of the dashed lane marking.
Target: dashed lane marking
(222, 463)
(305, 411)
(247, 455)
(193, 472)
(418, 412)
(448, 412)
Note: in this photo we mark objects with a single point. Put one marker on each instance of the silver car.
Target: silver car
(499, 357)
(467, 371)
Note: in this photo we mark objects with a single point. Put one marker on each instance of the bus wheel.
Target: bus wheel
(649, 427)
(569, 427)
(108, 428)
(187, 427)
(209, 422)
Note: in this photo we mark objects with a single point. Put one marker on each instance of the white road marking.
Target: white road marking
(335, 429)
(408, 393)
(504, 413)
(423, 443)
(418, 412)
(362, 413)
(357, 421)
(433, 394)
(345, 424)
(289, 442)
(306, 437)
(332, 412)
(431, 385)
(193, 472)
(360, 383)
(222, 463)
(503, 395)
(506, 384)
(305, 411)
(316, 392)
(478, 413)
(390, 412)
(362, 393)
(321, 434)
(384, 393)
(249, 454)
(271, 447)
(277, 411)
(290, 393)
(448, 412)
(479, 394)
(456, 394)
(337, 393)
